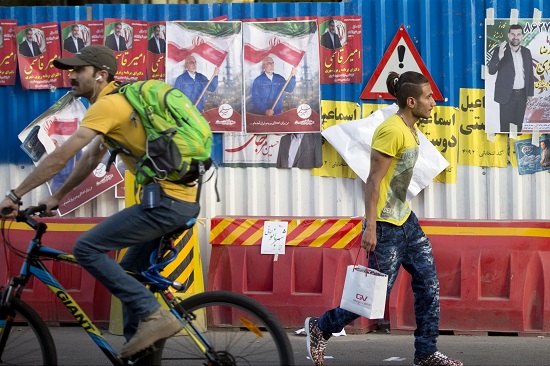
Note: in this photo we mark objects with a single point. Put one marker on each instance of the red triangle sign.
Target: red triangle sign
(401, 56)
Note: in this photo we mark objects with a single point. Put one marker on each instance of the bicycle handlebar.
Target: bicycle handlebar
(24, 215)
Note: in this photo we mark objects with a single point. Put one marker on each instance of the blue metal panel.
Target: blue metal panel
(20, 106)
(449, 36)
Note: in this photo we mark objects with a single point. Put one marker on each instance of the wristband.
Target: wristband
(12, 196)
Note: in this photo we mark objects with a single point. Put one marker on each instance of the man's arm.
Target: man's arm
(379, 165)
(84, 166)
(498, 55)
(51, 165)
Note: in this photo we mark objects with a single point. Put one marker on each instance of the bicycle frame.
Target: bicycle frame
(33, 266)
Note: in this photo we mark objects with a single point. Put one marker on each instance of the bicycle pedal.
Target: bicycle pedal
(136, 358)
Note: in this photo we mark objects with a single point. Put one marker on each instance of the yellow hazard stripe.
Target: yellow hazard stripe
(52, 226)
(486, 231)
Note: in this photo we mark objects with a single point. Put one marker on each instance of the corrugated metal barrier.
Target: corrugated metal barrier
(449, 36)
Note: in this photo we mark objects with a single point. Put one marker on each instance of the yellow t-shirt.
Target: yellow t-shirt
(111, 115)
(394, 138)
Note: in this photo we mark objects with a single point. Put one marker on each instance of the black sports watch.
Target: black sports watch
(12, 196)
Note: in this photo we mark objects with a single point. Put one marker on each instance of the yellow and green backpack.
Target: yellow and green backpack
(179, 139)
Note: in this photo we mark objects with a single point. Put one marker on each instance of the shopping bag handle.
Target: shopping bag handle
(368, 256)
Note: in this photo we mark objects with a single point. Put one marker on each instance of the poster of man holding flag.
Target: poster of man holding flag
(204, 61)
(281, 74)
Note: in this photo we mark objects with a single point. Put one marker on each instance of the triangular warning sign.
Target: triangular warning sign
(401, 56)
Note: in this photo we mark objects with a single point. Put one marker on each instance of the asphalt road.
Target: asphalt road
(365, 349)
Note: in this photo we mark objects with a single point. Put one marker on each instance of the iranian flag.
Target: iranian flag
(209, 40)
(288, 41)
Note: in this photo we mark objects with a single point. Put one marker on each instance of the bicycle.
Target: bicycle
(239, 329)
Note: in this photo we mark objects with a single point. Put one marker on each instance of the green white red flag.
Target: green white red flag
(209, 40)
(287, 40)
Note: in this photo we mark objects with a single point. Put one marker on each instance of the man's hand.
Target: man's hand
(368, 242)
(293, 72)
(51, 203)
(269, 112)
(8, 204)
(501, 50)
(216, 71)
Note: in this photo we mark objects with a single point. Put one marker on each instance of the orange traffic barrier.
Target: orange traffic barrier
(494, 277)
(306, 281)
(93, 298)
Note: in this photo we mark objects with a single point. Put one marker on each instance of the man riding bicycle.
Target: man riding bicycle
(138, 227)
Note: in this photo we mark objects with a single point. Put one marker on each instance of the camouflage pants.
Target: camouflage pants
(406, 246)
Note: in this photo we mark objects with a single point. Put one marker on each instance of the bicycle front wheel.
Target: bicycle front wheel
(26, 339)
(240, 331)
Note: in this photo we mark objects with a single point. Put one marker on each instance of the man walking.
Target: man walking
(391, 229)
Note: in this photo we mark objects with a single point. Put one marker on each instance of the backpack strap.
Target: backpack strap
(119, 148)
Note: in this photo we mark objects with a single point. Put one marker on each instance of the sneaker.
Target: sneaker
(159, 325)
(436, 359)
(316, 342)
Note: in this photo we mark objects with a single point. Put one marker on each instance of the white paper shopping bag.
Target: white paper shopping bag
(365, 292)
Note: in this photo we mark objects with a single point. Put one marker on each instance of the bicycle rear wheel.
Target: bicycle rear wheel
(26, 339)
(240, 331)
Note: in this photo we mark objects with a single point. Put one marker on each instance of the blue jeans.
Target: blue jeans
(406, 246)
(139, 230)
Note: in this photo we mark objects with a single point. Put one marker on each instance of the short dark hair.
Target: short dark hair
(408, 84)
(515, 26)
(156, 27)
(117, 23)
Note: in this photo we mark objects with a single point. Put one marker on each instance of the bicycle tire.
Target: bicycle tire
(230, 332)
(29, 342)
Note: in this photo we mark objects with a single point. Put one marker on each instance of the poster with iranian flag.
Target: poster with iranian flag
(37, 47)
(49, 131)
(156, 51)
(204, 61)
(8, 52)
(128, 40)
(340, 50)
(76, 35)
(281, 72)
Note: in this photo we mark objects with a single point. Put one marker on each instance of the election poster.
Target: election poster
(37, 47)
(204, 61)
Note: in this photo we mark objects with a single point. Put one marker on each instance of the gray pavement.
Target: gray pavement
(76, 348)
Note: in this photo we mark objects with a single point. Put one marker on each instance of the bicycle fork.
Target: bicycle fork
(5, 323)
(187, 319)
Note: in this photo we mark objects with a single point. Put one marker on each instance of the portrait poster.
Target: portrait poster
(340, 55)
(531, 158)
(75, 35)
(8, 52)
(204, 61)
(281, 76)
(156, 51)
(128, 40)
(37, 47)
(475, 148)
(49, 131)
(524, 100)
